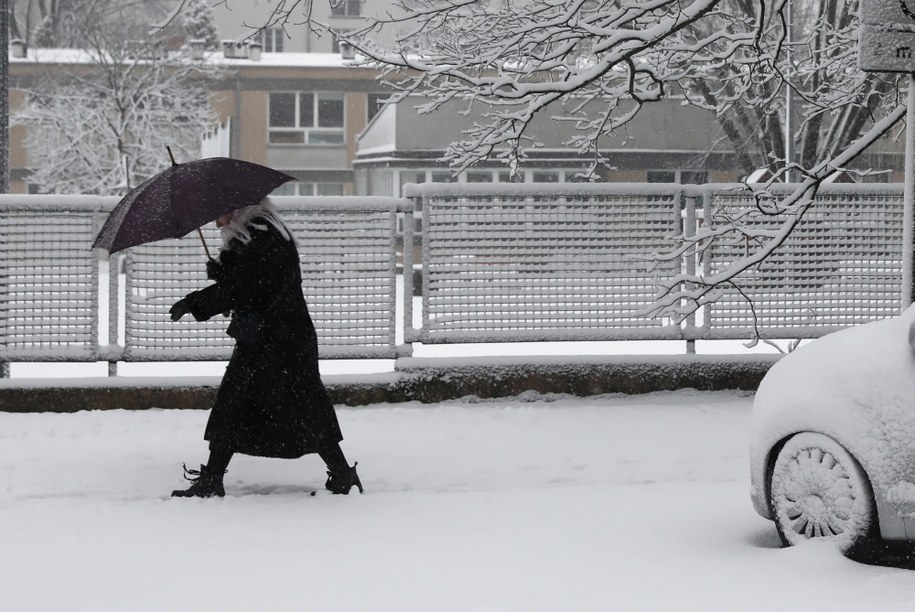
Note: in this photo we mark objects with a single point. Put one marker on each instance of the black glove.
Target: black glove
(215, 270)
(179, 309)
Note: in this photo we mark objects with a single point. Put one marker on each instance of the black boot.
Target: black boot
(206, 483)
(340, 476)
(340, 482)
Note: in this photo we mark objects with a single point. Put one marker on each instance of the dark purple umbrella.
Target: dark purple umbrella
(185, 197)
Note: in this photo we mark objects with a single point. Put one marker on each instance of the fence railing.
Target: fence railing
(54, 292)
(507, 262)
(500, 262)
(841, 266)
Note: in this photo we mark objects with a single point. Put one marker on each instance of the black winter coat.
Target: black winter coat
(272, 402)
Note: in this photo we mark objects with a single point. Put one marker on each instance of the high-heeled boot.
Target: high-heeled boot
(341, 481)
(206, 483)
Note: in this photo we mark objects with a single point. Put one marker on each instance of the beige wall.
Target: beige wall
(251, 127)
(356, 109)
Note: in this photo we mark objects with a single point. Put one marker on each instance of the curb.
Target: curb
(415, 380)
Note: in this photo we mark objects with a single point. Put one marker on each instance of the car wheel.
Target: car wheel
(818, 490)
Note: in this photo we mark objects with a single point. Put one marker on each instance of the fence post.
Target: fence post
(114, 315)
(410, 334)
(689, 230)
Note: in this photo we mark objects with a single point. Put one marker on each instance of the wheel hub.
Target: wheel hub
(815, 509)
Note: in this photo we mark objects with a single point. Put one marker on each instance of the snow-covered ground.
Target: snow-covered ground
(623, 503)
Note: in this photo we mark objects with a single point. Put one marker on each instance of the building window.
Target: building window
(546, 177)
(693, 177)
(297, 188)
(683, 177)
(508, 177)
(661, 176)
(283, 110)
(407, 176)
(375, 104)
(306, 118)
(287, 189)
(442, 177)
(345, 8)
(578, 176)
(335, 40)
(479, 176)
(272, 40)
(328, 189)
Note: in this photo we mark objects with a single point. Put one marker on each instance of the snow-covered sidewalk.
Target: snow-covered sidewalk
(623, 503)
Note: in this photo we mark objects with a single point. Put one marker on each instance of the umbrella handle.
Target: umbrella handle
(199, 232)
(204, 242)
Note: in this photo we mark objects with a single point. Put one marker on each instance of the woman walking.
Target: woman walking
(272, 402)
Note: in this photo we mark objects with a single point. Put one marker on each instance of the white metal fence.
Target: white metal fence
(842, 265)
(51, 288)
(545, 262)
(48, 278)
(560, 262)
(348, 253)
(499, 263)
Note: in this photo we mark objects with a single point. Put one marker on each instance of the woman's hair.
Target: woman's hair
(245, 219)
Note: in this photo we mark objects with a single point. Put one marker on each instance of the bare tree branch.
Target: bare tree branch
(105, 126)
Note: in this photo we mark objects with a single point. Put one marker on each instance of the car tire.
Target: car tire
(818, 490)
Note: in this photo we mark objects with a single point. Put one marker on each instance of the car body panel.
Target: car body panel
(856, 386)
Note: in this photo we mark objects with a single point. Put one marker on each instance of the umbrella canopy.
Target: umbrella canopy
(184, 197)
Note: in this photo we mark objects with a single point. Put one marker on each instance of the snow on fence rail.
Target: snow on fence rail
(501, 262)
(513, 262)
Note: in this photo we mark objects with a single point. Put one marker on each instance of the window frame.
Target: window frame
(312, 133)
(335, 39)
(678, 177)
(310, 188)
(272, 40)
(373, 103)
(346, 8)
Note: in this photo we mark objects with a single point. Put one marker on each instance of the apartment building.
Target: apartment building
(297, 112)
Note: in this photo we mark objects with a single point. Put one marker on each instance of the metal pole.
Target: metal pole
(4, 117)
(908, 214)
(114, 314)
(4, 96)
(789, 104)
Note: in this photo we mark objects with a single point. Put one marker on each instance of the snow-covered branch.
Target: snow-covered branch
(683, 294)
(106, 128)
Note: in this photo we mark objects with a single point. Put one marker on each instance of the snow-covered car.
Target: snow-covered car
(833, 438)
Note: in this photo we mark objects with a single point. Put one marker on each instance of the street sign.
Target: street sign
(886, 12)
(886, 41)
